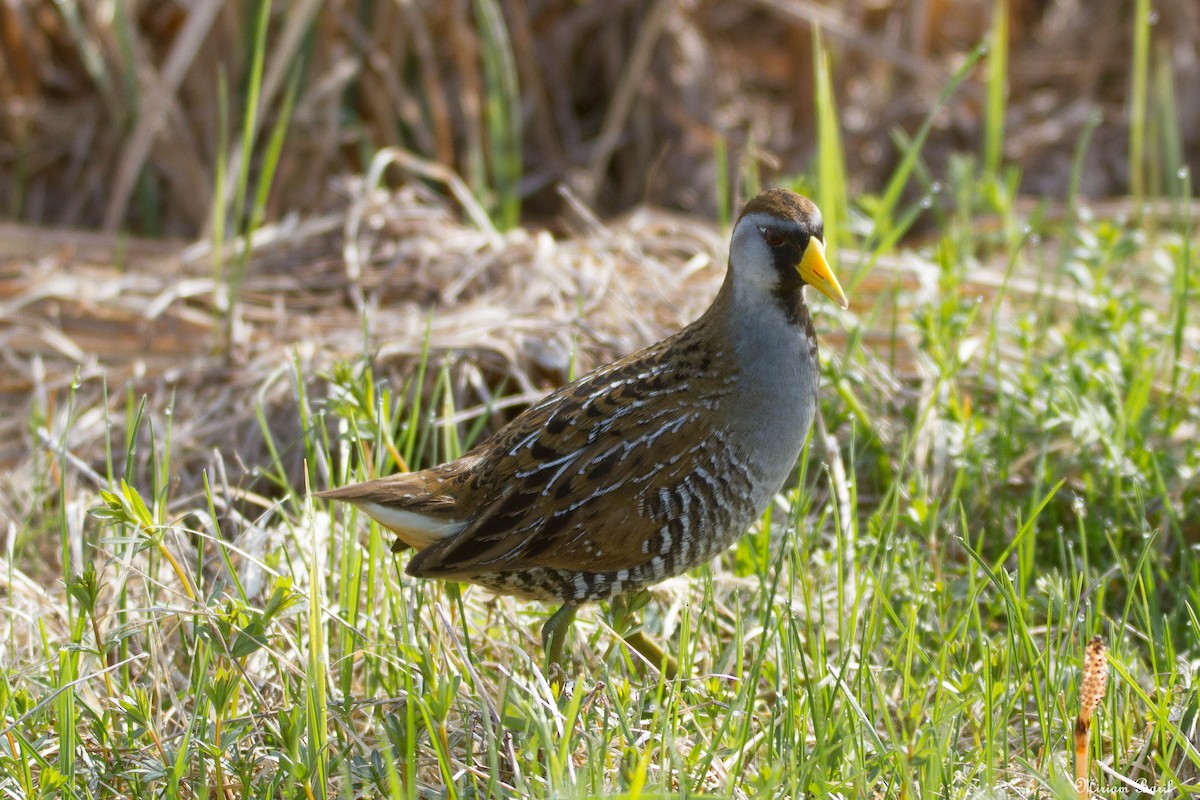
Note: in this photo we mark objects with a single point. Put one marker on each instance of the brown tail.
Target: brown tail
(406, 505)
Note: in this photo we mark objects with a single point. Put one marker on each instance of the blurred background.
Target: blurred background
(129, 115)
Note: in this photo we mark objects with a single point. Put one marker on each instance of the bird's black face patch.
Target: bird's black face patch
(788, 240)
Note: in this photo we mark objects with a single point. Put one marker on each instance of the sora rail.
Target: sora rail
(645, 467)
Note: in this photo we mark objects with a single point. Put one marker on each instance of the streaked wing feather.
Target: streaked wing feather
(566, 457)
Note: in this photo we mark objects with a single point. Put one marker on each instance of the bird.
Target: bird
(644, 467)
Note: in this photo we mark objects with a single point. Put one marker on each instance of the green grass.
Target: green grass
(908, 621)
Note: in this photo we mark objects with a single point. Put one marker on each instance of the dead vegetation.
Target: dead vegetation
(115, 122)
(112, 115)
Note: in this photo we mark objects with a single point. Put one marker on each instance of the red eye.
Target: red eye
(772, 237)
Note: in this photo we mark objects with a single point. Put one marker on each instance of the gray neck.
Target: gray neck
(777, 357)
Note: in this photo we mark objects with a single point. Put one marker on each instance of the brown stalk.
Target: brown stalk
(1091, 692)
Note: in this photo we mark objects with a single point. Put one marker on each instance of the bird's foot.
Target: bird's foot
(621, 610)
(653, 652)
(554, 635)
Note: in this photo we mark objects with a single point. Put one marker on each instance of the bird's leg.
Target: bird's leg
(554, 632)
(621, 608)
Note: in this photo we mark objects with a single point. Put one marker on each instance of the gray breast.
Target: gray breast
(776, 399)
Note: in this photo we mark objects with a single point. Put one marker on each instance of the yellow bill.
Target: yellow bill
(814, 269)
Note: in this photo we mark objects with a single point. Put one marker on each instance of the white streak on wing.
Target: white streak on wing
(567, 462)
(417, 530)
(604, 425)
(628, 445)
(528, 440)
(598, 493)
(678, 387)
(525, 473)
(647, 439)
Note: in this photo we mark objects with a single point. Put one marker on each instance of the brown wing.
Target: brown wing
(575, 482)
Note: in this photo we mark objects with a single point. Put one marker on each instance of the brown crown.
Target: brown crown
(782, 203)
